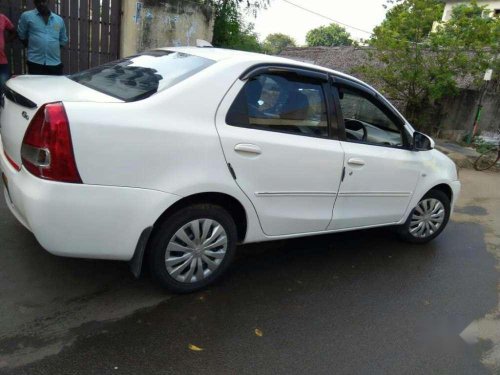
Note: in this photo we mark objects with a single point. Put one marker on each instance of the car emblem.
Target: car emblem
(25, 115)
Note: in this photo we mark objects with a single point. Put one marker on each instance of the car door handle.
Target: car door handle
(354, 161)
(248, 148)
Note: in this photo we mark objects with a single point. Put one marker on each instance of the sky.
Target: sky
(285, 18)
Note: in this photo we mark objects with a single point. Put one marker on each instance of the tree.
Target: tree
(251, 5)
(247, 40)
(418, 67)
(403, 71)
(329, 36)
(471, 40)
(230, 30)
(275, 43)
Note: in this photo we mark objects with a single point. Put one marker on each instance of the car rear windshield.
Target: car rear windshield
(140, 76)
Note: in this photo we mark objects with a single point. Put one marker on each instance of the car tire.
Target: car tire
(201, 238)
(421, 223)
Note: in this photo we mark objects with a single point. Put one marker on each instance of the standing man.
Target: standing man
(43, 33)
(6, 27)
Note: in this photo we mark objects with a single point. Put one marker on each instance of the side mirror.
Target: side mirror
(422, 142)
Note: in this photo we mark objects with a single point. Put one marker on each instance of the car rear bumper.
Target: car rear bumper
(84, 221)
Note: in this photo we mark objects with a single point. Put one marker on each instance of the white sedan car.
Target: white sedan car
(174, 156)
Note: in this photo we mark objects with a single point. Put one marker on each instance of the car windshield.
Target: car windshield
(140, 76)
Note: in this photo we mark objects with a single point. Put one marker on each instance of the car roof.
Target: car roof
(219, 54)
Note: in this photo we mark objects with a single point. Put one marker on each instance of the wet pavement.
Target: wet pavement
(359, 302)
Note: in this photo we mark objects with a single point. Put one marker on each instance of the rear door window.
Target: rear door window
(140, 76)
(283, 103)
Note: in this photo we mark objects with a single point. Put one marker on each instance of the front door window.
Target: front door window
(366, 122)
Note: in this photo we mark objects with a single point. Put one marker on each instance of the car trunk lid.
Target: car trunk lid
(24, 95)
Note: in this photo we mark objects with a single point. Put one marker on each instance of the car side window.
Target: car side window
(281, 102)
(366, 122)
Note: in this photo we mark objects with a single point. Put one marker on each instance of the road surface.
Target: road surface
(359, 302)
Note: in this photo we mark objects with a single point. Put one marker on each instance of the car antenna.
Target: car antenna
(203, 43)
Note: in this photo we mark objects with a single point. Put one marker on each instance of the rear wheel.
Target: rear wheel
(428, 218)
(486, 160)
(192, 248)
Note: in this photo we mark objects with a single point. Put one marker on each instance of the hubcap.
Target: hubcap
(427, 218)
(196, 250)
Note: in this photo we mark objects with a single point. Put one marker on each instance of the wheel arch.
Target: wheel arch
(403, 228)
(226, 201)
(445, 188)
(442, 186)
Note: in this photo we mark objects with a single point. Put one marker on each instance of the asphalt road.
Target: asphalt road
(352, 303)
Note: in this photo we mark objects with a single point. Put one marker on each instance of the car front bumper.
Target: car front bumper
(456, 186)
(78, 220)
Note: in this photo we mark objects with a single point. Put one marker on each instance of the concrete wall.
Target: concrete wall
(150, 24)
(129, 29)
(459, 112)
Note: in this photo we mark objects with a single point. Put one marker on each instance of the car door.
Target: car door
(381, 171)
(277, 131)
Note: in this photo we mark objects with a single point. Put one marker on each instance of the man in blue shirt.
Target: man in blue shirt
(43, 33)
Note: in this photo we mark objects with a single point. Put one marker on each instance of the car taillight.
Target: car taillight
(47, 150)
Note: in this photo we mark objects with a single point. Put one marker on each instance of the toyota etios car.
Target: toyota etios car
(174, 156)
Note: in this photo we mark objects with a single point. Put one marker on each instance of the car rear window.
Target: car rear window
(140, 76)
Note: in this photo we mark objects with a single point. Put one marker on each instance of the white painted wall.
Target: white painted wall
(492, 5)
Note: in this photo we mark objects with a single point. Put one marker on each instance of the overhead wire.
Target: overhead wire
(344, 24)
(326, 17)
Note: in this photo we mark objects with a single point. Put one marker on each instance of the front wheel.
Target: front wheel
(428, 218)
(192, 248)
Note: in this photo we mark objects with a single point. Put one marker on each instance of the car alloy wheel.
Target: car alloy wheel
(196, 250)
(427, 218)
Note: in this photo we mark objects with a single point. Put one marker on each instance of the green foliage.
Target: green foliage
(405, 73)
(329, 36)
(247, 40)
(418, 67)
(230, 30)
(468, 41)
(481, 146)
(275, 43)
(251, 5)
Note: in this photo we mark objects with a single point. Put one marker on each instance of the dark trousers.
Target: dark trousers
(4, 75)
(45, 70)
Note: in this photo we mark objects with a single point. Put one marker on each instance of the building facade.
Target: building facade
(492, 6)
